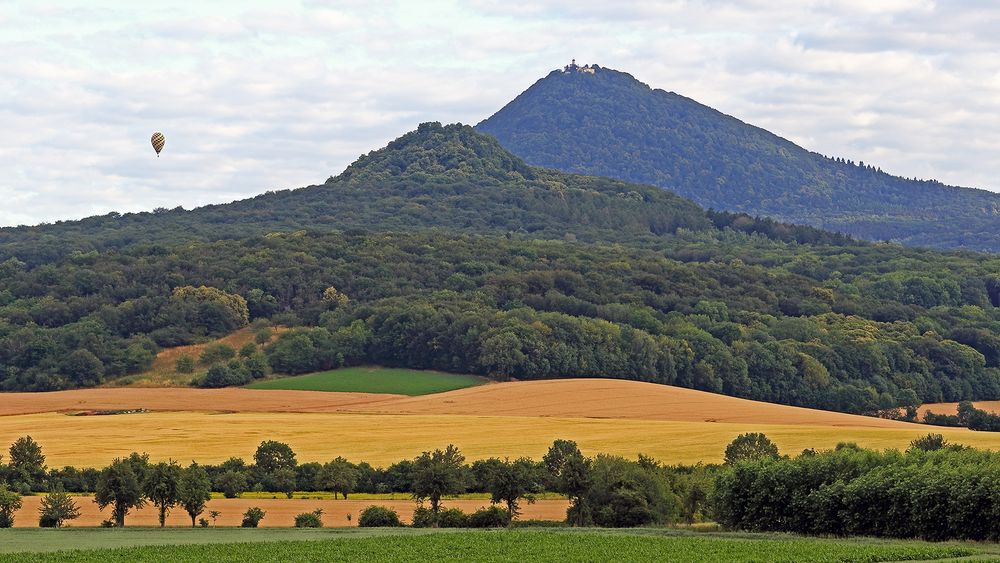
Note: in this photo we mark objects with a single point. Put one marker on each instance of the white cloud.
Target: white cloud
(258, 95)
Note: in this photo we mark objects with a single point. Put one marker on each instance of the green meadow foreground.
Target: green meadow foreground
(374, 380)
(502, 545)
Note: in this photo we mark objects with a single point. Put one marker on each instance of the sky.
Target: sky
(262, 95)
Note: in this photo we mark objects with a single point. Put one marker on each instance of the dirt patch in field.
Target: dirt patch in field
(563, 398)
(280, 512)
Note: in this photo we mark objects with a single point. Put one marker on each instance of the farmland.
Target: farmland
(281, 511)
(516, 545)
(509, 419)
(374, 380)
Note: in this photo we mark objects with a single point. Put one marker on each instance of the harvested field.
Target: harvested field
(563, 398)
(952, 408)
(184, 399)
(280, 511)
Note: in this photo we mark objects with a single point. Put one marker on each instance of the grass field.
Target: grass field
(417, 545)
(374, 380)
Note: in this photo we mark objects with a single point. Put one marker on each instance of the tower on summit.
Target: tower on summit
(573, 67)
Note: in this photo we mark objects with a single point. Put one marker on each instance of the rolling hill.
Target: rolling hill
(605, 122)
(443, 251)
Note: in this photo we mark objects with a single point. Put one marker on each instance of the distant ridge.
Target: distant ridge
(594, 120)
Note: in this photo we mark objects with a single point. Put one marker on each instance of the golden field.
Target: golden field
(508, 419)
(280, 512)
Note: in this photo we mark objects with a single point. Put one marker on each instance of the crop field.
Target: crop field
(213, 437)
(374, 380)
(500, 545)
(508, 419)
(281, 511)
(952, 408)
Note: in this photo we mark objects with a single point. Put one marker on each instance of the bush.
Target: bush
(220, 375)
(214, 353)
(184, 364)
(312, 519)
(252, 517)
(263, 336)
(107, 523)
(423, 518)
(203, 522)
(248, 349)
(492, 517)
(453, 518)
(379, 517)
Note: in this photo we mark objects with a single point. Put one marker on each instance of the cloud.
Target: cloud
(263, 95)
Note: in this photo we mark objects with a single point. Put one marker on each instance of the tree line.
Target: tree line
(603, 490)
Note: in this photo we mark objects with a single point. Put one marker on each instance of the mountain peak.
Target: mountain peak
(435, 149)
(602, 122)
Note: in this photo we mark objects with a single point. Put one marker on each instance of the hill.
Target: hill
(607, 123)
(472, 262)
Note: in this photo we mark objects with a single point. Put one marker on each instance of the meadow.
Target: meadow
(500, 545)
(370, 379)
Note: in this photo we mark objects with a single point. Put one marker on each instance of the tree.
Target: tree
(161, 487)
(508, 482)
(27, 464)
(56, 508)
(753, 445)
(572, 474)
(436, 474)
(339, 476)
(214, 515)
(194, 491)
(283, 481)
(232, 483)
(83, 368)
(272, 456)
(120, 486)
(10, 502)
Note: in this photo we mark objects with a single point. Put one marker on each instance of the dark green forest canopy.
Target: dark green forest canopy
(861, 328)
(457, 256)
(610, 124)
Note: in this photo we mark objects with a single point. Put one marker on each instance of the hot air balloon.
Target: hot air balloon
(158, 140)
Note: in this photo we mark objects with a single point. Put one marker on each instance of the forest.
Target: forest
(610, 124)
(617, 280)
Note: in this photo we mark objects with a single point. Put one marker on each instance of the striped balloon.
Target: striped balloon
(158, 140)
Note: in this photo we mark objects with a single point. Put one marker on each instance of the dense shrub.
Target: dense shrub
(452, 518)
(312, 519)
(489, 517)
(252, 517)
(379, 517)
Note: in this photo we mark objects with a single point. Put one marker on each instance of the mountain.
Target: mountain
(593, 120)
(444, 251)
(446, 177)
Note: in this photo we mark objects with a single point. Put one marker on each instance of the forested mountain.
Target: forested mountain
(599, 121)
(444, 251)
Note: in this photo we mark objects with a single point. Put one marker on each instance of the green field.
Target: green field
(374, 380)
(424, 545)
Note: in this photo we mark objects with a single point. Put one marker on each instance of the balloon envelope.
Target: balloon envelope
(158, 141)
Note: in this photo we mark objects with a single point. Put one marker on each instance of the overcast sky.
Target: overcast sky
(259, 95)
